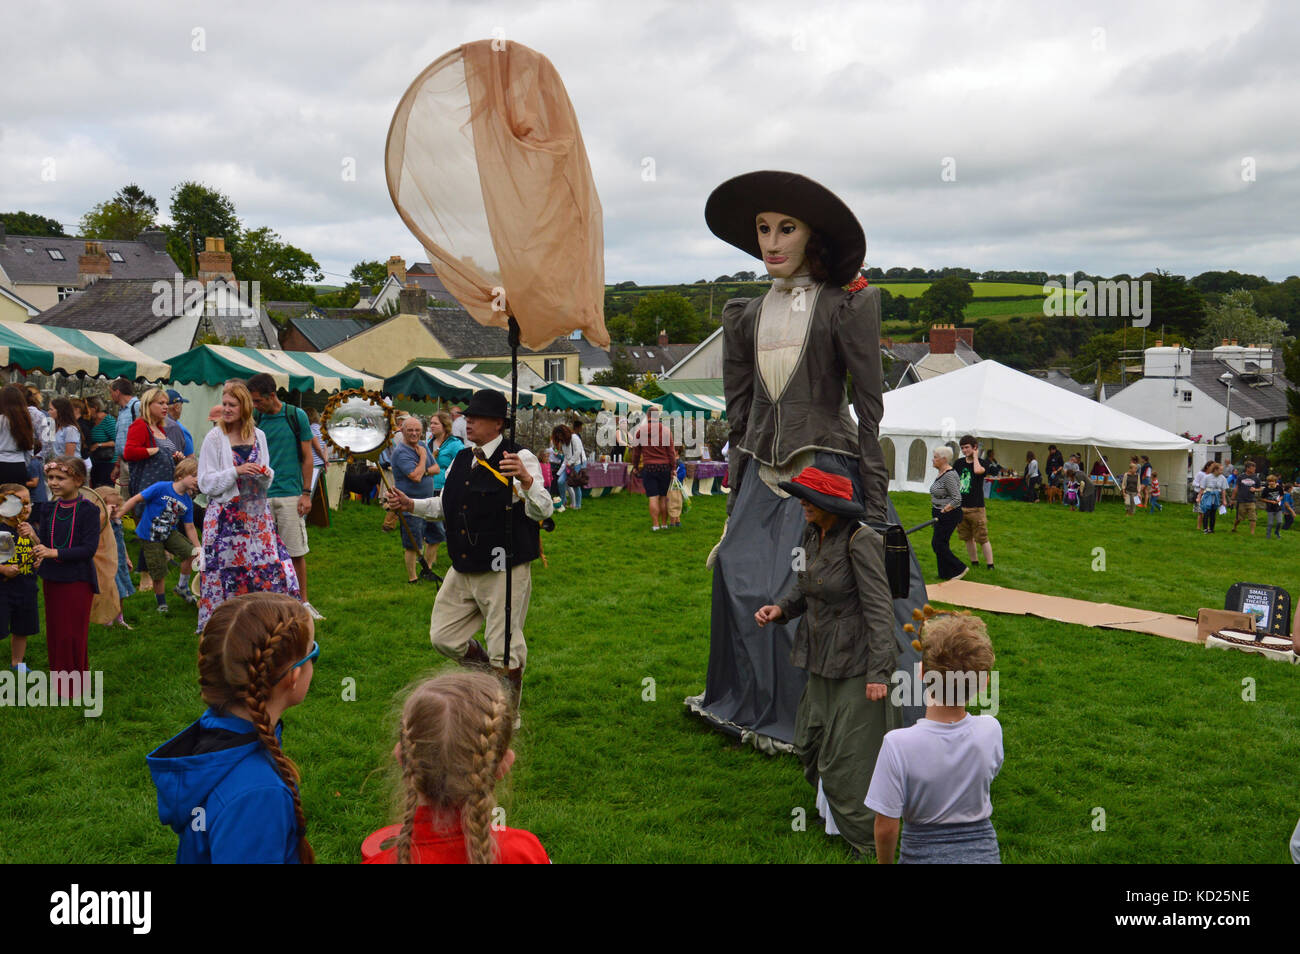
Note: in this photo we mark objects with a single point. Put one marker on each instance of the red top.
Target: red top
(447, 847)
(651, 447)
(138, 440)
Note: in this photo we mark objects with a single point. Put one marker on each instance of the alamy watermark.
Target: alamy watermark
(946, 689)
(1101, 299)
(184, 296)
(36, 689)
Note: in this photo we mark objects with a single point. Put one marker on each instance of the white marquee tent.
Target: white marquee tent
(1011, 413)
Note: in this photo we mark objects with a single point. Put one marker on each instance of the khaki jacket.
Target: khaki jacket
(842, 600)
(842, 348)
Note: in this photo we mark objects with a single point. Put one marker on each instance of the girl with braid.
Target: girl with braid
(224, 784)
(453, 748)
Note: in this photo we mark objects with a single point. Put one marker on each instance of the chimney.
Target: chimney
(1159, 343)
(1234, 342)
(663, 338)
(214, 262)
(93, 265)
(397, 268)
(1225, 343)
(943, 339)
(412, 300)
(156, 239)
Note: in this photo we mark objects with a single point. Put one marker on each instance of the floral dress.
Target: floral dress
(242, 552)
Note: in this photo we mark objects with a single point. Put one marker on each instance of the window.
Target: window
(116, 257)
(1187, 397)
(66, 291)
(554, 369)
(887, 448)
(916, 461)
(56, 254)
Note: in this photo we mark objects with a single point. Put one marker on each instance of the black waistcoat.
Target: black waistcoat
(474, 509)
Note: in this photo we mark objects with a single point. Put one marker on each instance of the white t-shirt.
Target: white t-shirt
(938, 773)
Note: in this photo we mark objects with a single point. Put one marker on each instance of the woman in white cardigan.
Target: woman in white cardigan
(242, 553)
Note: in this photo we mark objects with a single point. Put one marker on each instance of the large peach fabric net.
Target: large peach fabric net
(486, 165)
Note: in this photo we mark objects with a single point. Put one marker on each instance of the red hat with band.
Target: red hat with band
(827, 486)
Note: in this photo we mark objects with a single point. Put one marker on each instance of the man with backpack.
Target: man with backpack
(288, 441)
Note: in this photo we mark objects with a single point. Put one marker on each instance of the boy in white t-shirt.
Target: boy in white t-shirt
(936, 774)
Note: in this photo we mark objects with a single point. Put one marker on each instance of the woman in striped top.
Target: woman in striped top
(945, 507)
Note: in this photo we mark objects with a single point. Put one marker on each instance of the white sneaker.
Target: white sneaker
(312, 610)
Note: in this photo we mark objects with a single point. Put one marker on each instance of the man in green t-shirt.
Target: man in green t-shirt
(288, 440)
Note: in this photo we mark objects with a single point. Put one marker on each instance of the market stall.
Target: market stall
(25, 347)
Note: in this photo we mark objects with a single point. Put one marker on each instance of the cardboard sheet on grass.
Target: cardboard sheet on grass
(998, 599)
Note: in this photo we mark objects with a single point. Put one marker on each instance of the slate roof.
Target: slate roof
(326, 332)
(1261, 398)
(1065, 382)
(125, 308)
(590, 356)
(24, 259)
(656, 359)
(463, 337)
(434, 286)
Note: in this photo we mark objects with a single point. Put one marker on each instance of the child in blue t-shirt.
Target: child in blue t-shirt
(169, 504)
(19, 615)
(1288, 508)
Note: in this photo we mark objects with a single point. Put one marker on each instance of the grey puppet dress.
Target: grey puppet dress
(785, 374)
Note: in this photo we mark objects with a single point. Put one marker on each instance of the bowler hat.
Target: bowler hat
(826, 485)
(486, 403)
(734, 205)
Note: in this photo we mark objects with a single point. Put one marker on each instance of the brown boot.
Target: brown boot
(475, 655)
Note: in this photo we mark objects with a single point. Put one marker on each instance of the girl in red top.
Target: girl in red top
(453, 749)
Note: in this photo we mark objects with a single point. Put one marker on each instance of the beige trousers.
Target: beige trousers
(468, 602)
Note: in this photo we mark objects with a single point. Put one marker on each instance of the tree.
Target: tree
(945, 301)
(650, 389)
(122, 217)
(29, 223)
(1281, 301)
(282, 270)
(1175, 304)
(620, 328)
(665, 311)
(1235, 317)
(200, 213)
(620, 374)
(373, 274)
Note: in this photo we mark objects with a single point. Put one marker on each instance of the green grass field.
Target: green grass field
(1152, 732)
(981, 289)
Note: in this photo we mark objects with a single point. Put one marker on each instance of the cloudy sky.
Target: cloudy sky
(1106, 137)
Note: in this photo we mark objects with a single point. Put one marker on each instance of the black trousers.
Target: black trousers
(1211, 516)
(949, 564)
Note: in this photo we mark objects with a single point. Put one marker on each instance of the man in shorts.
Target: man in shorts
(974, 528)
(654, 457)
(1247, 486)
(288, 440)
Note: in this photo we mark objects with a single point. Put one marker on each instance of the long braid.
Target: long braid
(477, 813)
(238, 665)
(256, 696)
(412, 798)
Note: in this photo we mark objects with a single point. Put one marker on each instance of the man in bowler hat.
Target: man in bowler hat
(490, 477)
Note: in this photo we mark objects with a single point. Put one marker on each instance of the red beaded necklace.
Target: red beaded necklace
(61, 507)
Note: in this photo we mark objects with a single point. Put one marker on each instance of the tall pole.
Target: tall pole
(510, 509)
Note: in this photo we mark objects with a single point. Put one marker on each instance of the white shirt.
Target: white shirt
(217, 477)
(537, 499)
(936, 772)
(458, 429)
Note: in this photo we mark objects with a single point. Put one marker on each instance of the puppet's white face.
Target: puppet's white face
(782, 239)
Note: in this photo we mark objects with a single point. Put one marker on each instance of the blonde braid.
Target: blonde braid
(256, 694)
(476, 814)
(412, 798)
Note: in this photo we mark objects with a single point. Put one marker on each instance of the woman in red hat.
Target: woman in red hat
(846, 644)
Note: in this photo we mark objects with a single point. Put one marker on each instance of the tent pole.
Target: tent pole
(510, 512)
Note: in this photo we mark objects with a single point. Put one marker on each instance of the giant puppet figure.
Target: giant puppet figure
(793, 360)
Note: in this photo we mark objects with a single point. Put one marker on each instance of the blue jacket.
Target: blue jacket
(218, 789)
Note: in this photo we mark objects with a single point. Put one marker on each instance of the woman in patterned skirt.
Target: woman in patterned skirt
(242, 553)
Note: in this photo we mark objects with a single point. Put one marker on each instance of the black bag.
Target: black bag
(103, 455)
(898, 557)
(1270, 605)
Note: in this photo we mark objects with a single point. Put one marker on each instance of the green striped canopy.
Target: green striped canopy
(710, 404)
(47, 349)
(443, 384)
(293, 370)
(564, 396)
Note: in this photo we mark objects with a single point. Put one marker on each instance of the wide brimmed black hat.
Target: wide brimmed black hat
(486, 403)
(733, 206)
(826, 485)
